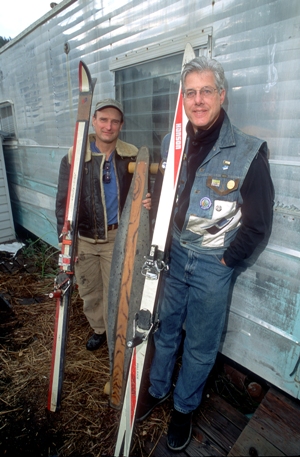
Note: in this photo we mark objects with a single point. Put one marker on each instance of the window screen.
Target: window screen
(149, 93)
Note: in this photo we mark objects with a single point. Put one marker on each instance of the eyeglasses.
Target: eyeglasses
(206, 92)
(106, 172)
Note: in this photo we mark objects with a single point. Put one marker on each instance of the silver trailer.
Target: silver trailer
(134, 49)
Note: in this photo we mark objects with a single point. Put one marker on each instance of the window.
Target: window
(149, 93)
(7, 119)
(148, 89)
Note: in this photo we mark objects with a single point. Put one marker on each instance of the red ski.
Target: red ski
(63, 284)
(154, 264)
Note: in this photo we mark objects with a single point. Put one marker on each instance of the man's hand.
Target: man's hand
(147, 201)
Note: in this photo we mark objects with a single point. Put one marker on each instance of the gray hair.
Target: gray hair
(201, 64)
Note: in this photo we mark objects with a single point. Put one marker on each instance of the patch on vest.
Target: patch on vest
(205, 203)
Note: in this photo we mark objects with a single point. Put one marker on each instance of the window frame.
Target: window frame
(163, 48)
(12, 133)
(159, 51)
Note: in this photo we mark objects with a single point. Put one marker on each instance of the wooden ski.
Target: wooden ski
(126, 285)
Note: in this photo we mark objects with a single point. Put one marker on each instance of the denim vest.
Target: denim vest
(214, 213)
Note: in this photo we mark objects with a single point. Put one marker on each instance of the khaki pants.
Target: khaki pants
(92, 272)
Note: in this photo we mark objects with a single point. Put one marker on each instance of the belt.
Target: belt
(112, 226)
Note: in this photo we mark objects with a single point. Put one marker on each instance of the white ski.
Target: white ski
(152, 269)
(64, 282)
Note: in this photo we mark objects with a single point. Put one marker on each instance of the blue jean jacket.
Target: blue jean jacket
(215, 209)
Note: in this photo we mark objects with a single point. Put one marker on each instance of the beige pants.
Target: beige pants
(92, 272)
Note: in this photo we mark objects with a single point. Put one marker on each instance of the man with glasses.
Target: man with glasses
(223, 211)
(105, 186)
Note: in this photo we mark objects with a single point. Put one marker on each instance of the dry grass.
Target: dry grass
(85, 425)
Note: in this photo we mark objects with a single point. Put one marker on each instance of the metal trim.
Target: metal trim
(264, 324)
(163, 48)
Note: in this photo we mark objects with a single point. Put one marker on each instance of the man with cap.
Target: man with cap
(105, 186)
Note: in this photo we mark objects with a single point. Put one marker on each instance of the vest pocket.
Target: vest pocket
(222, 186)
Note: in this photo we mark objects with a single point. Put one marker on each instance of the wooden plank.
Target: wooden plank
(216, 427)
(161, 449)
(228, 411)
(203, 445)
(200, 446)
(219, 428)
(207, 439)
(273, 429)
(252, 443)
(285, 410)
(278, 420)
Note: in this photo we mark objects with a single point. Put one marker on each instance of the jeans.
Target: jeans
(195, 293)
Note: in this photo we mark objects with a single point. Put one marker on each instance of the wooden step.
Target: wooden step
(216, 427)
(274, 429)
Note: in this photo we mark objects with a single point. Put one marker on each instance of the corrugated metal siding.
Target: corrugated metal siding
(258, 43)
(33, 173)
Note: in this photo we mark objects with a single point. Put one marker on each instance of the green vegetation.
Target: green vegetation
(4, 40)
(42, 255)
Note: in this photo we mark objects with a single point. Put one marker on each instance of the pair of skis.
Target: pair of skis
(64, 282)
(152, 269)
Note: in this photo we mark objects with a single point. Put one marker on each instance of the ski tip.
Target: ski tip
(86, 83)
(189, 47)
(143, 153)
(83, 67)
(189, 53)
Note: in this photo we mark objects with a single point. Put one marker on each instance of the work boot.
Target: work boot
(146, 406)
(95, 341)
(180, 431)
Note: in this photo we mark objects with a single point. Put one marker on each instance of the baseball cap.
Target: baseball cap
(109, 102)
